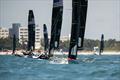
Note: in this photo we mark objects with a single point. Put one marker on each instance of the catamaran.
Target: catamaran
(79, 12)
(46, 42)
(101, 44)
(99, 50)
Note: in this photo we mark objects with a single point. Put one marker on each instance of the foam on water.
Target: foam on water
(56, 60)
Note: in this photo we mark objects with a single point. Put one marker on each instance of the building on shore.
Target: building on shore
(14, 30)
(64, 38)
(4, 32)
(22, 34)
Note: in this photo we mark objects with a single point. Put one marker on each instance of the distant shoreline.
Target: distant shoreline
(66, 53)
(93, 53)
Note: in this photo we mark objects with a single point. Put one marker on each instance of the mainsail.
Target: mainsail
(79, 12)
(31, 31)
(57, 13)
(46, 40)
(101, 44)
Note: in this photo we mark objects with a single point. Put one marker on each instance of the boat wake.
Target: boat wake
(58, 60)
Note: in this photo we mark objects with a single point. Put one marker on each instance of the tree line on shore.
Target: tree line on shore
(89, 44)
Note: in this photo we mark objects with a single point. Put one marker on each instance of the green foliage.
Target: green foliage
(89, 44)
(111, 44)
(64, 45)
(7, 43)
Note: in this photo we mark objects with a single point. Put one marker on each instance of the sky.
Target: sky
(103, 16)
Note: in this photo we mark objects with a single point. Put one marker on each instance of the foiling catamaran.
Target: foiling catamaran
(57, 13)
(79, 12)
(31, 35)
(46, 40)
(46, 43)
(99, 50)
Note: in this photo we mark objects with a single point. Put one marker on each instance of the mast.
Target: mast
(14, 44)
(31, 31)
(79, 12)
(57, 13)
(101, 44)
(46, 41)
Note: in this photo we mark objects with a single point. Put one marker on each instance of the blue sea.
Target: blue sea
(89, 68)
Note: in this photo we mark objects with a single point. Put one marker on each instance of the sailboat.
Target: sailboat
(31, 35)
(46, 40)
(100, 49)
(101, 44)
(79, 12)
(57, 13)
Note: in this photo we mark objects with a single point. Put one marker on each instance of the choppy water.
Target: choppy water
(89, 68)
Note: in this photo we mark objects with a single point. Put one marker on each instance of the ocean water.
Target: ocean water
(89, 67)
